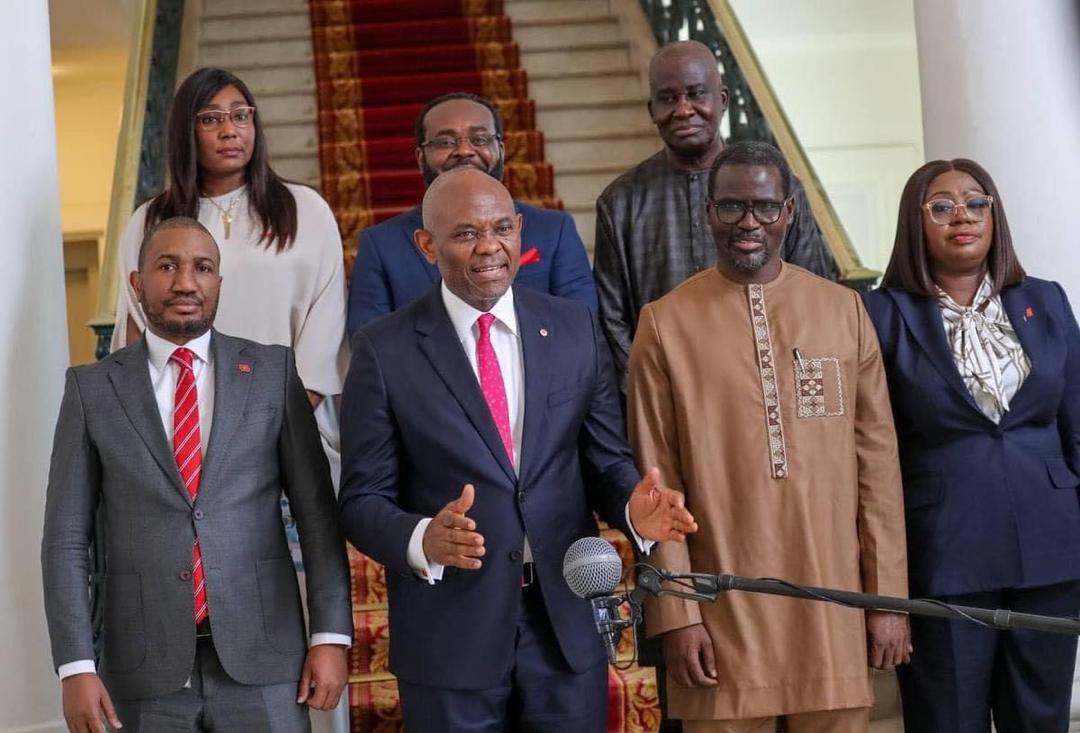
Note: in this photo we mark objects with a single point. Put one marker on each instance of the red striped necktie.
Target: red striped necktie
(187, 450)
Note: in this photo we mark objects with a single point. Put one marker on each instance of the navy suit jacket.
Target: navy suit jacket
(390, 271)
(416, 429)
(987, 506)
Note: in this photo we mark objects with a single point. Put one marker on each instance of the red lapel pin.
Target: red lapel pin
(529, 256)
(243, 367)
(1029, 312)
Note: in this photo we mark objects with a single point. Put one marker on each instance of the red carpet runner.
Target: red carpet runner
(376, 63)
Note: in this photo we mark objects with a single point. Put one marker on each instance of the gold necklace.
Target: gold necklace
(226, 212)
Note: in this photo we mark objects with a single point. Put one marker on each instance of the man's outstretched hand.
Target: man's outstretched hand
(451, 538)
(657, 513)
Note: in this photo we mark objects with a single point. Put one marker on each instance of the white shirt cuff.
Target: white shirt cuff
(326, 637)
(80, 666)
(429, 571)
(644, 545)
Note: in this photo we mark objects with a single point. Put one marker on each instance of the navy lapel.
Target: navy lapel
(536, 358)
(231, 387)
(439, 342)
(1030, 326)
(414, 220)
(923, 318)
(130, 377)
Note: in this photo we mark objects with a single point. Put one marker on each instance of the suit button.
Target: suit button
(185, 575)
(516, 555)
(521, 496)
(198, 514)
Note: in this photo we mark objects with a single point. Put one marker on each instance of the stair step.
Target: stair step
(601, 57)
(594, 118)
(266, 79)
(215, 9)
(256, 27)
(299, 134)
(587, 86)
(287, 107)
(250, 53)
(624, 151)
(583, 183)
(567, 32)
(302, 168)
(521, 10)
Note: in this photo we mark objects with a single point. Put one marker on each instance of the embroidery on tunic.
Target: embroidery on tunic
(810, 389)
(774, 426)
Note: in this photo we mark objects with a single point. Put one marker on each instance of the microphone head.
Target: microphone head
(592, 567)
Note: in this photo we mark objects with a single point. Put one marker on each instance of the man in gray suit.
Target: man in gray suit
(187, 452)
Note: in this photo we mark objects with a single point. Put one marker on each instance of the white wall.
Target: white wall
(33, 332)
(846, 74)
(1001, 85)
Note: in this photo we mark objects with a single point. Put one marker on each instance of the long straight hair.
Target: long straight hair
(909, 267)
(268, 198)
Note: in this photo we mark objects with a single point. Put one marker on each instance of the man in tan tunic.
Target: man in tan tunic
(758, 389)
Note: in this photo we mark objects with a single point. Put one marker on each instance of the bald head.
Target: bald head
(687, 98)
(472, 233)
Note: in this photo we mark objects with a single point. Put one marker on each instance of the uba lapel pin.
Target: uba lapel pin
(243, 367)
(1029, 312)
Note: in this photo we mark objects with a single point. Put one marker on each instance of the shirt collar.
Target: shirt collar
(463, 316)
(161, 349)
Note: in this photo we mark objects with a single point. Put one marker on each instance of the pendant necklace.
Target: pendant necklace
(226, 211)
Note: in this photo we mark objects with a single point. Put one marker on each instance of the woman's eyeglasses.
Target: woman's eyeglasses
(943, 211)
(213, 119)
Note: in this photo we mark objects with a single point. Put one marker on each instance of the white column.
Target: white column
(1001, 85)
(33, 339)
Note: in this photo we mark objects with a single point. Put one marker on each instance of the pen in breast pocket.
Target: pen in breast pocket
(798, 358)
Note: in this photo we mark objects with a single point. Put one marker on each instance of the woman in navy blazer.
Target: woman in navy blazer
(984, 370)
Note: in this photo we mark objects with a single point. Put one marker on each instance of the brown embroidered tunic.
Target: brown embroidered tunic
(767, 405)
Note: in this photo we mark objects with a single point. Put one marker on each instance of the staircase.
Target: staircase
(267, 43)
(590, 97)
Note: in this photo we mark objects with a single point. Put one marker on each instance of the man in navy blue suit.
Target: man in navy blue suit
(481, 429)
(453, 131)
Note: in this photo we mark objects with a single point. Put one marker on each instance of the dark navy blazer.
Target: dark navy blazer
(390, 271)
(415, 428)
(987, 506)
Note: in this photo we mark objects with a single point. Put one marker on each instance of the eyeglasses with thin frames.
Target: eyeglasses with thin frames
(943, 211)
(212, 119)
(732, 212)
(450, 142)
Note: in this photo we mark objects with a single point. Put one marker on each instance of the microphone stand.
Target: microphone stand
(706, 587)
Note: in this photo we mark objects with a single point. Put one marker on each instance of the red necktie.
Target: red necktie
(187, 450)
(491, 383)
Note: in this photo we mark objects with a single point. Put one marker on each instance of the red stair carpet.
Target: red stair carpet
(376, 63)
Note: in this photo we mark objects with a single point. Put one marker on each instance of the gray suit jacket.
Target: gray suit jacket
(110, 449)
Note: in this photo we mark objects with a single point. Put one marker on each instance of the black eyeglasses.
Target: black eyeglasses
(732, 212)
(942, 211)
(450, 142)
(212, 119)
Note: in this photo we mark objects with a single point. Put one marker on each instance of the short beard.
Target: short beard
(430, 174)
(750, 263)
(182, 329)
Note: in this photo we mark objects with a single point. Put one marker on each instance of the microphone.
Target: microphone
(592, 568)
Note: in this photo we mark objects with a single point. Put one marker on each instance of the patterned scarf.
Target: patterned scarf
(986, 349)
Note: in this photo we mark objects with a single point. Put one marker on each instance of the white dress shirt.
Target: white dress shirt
(163, 376)
(506, 342)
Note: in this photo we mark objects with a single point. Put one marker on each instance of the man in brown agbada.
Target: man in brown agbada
(758, 389)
